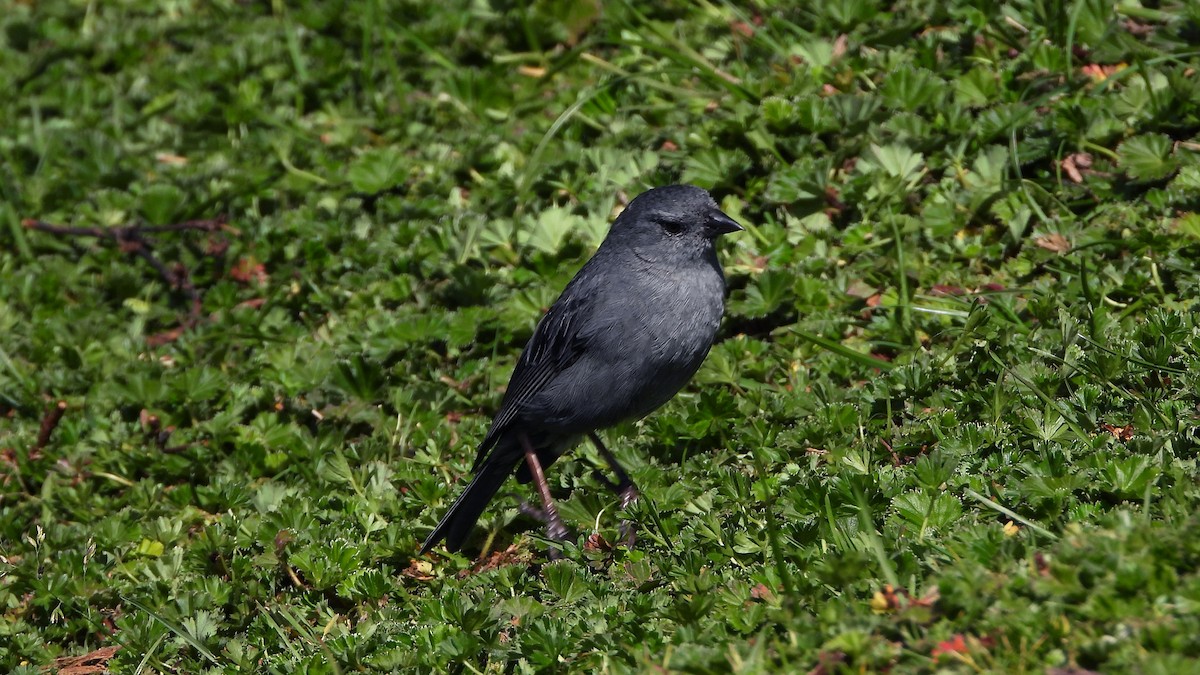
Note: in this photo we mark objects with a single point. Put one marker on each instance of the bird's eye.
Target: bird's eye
(671, 227)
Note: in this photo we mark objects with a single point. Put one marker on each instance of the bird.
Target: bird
(626, 334)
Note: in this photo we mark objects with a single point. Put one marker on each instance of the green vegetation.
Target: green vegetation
(950, 424)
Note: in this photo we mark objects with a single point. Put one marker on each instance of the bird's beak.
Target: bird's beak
(719, 223)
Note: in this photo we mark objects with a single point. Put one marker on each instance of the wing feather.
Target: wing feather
(558, 341)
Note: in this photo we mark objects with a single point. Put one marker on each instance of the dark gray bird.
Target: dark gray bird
(626, 334)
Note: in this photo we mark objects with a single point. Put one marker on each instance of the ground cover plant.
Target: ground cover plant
(264, 268)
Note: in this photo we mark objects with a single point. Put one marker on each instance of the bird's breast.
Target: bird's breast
(677, 320)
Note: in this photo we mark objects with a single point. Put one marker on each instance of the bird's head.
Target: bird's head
(675, 222)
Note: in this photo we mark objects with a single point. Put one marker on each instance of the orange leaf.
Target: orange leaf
(248, 269)
(1120, 433)
(955, 645)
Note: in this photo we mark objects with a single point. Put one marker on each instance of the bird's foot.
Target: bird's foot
(629, 495)
(556, 529)
(626, 490)
(527, 509)
(627, 530)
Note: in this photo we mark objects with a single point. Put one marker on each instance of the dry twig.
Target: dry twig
(132, 239)
(49, 423)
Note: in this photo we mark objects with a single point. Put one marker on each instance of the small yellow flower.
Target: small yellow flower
(1011, 529)
(879, 603)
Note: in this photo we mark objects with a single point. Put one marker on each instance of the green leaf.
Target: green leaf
(1147, 157)
(149, 548)
(709, 168)
(897, 161)
(815, 114)
(377, 170)
(1189, 224)
(911, 89)
(778, 112)
(161, 203)
(928, 511)
(549, 228)
(977, 88)
(842, 350)
(1128, 477)
(794, 184)
(564, 580)
(770, 290)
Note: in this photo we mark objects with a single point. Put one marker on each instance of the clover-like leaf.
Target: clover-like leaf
(160, 203)
(910, 88)
(1147, 157)
(377, 170)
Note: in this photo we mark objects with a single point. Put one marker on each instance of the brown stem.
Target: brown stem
(49, 423)
(124, 231)
(130, 239)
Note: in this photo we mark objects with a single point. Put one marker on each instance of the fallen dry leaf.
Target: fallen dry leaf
(1100, 73)
(248, 269)
(742, 28)
(833, 201)
(932, 595)
(509, 556)
(828, 662)
(165, 337)
(596, 543)
(1120, 433)
(839, 47)
(1137, 28)
(170, 159)
(860, 289)
(88, 664)
(761, 592)
(1075, 164)
(1041, 564)
(1053, 242)
(421, 570)
(943, 289)
(886, 600)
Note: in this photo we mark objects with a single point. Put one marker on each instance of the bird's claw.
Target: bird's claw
(627, 531)
(629, 495)
(527, 509)
(556, 529)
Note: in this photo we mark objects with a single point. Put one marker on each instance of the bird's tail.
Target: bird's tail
(460, 518)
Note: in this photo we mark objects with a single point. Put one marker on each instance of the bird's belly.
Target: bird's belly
(677, 357)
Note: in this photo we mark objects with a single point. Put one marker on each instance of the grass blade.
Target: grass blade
(844, 351)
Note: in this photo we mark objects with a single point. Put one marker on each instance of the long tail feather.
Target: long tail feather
(462, 515)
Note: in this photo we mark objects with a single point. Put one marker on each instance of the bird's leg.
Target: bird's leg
(527, 509)
(555, 528)
(624, 488)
